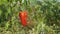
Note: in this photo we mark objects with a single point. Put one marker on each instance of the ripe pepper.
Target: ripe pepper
(23, 17)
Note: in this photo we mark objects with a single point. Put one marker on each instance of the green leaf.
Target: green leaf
(0, 12)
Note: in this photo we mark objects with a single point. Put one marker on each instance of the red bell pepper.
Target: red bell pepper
(23, 18)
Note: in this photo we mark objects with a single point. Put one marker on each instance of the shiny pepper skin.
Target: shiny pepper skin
(23, 17)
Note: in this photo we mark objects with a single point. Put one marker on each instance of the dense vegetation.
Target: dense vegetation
(45, 13)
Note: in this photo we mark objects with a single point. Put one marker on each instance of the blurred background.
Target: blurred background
(44, 13)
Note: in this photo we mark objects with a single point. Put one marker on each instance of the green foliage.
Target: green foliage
(45, 13)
